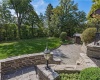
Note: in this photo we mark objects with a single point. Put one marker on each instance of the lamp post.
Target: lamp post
(47, 56)
(96, 14)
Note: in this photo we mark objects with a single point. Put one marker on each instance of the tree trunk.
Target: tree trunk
(19, 26)
(32, 31)
(19, 34)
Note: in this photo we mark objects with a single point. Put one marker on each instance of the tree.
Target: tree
(5, 18)
(49, 13)
(5, 14)
(55, 23)
(42, 19)
(31, 18)
(80, 18)
(21, 7)
(67, 18)
(95, 6)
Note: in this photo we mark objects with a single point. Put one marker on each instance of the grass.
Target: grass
(15, 48)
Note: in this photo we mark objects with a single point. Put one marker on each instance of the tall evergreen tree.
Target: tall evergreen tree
(48, 14)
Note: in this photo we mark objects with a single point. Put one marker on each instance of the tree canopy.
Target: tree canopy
(26, 23)
(67, 18)
(95, 6)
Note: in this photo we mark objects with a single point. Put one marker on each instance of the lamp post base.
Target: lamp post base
(47, 66)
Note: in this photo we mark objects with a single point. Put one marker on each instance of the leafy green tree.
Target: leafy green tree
(48, 14)
(5, 18)
(55, 25)
(95, 6)
(67, 18)
(41, 20)
(71, 17)
(9, 31)
(43, 25)
(5, 14)
(32, 19)
(21, 7)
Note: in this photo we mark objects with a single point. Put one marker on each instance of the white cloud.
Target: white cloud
(39, 6)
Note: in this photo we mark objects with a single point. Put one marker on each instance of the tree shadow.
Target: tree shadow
(58, 53)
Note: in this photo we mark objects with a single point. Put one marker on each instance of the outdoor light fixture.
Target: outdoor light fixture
(47, 56)
(96, 14)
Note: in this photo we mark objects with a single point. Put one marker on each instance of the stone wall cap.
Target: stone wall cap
(21, 56)
(92, 44)
(56, 59)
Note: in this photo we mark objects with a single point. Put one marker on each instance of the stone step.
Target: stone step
(63, 67)
(87, 61)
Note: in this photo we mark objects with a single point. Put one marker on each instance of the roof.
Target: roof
(95, 12)
(77, 35)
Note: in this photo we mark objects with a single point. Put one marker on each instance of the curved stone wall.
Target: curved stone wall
(93, 51)
(14, 63)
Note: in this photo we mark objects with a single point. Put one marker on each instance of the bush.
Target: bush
(73, 76)
(63, 36)
(90, 74)
(8, 31)
(88, 35)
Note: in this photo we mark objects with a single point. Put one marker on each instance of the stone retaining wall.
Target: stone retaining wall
(14, 63)
(93, 51)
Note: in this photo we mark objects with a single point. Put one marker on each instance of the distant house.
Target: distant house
(77, 38)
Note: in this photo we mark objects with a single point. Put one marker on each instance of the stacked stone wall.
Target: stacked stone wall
(14, 63)
(93, 51)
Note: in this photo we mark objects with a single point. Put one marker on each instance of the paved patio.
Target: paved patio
(68, 54)
(27, 73)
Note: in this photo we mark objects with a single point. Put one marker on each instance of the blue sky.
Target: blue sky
(41, 5)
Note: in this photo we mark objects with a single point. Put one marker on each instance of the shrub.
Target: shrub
(88, 35)
(73, 76)
(63, 36)
(90, 74)
(9, 31)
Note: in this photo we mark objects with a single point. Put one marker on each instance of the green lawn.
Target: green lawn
(15, 48)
